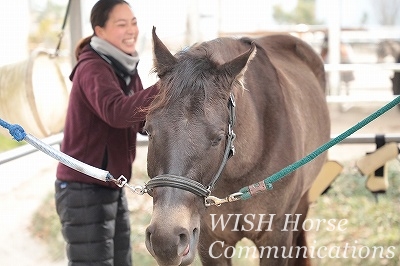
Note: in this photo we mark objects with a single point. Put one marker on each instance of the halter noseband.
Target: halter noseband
(168, 180)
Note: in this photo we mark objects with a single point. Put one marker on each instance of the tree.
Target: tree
(387, 11)
(46, 24)
(304, 13)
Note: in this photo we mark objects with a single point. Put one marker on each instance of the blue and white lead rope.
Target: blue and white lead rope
(19, 134)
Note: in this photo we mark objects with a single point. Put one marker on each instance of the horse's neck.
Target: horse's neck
(395, 48)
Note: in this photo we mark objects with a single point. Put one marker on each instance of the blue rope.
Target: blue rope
(288, 169)
(16, 131)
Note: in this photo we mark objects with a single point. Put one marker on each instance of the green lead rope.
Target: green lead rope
(288, 169)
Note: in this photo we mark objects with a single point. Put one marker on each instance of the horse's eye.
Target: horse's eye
(147, 132)
(217, 140)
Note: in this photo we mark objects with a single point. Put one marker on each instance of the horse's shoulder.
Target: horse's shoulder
(225, 48)
(279, 47)
(286, 43)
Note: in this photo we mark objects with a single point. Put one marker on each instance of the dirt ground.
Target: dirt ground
(28, 180)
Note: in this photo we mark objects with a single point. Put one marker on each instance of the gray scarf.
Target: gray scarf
(103, 47)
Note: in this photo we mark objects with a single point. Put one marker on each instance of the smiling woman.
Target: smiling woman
(120, 30)
(105, 114)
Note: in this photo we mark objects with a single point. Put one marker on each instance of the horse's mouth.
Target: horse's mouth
(186, 251)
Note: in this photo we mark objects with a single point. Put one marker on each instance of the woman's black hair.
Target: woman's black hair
(101, 11)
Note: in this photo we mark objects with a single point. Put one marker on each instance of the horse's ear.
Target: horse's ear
(236, 68)
(163, 59)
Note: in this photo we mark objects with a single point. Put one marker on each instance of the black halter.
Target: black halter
(167, 180)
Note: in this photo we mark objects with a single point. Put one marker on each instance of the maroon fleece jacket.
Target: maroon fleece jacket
(102, 122)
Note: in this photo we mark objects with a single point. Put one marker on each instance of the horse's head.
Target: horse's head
(188, 125)
(382, 50)
(387, 48)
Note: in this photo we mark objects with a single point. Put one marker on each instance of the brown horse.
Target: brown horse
(387, 48)
(269, 93)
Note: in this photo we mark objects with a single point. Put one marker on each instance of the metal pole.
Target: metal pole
(76, 29)
(334, 45)
(192, 20)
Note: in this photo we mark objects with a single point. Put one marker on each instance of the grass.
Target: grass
(46, 226)
(7, 143)
(370, 224)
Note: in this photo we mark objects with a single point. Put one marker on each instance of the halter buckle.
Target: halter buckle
(212, 200)
(122, 181)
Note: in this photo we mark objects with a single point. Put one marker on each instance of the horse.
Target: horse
(387, 48)
(396, 80)
(229, 112)
(390, 48)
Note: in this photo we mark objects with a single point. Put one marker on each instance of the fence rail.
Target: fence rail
(367, 66)
(381, 99)
(55, 140)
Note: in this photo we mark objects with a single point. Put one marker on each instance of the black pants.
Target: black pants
(95, 224)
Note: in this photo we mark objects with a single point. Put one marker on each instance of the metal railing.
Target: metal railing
(366, 66)
(24, 150)
(55, 140)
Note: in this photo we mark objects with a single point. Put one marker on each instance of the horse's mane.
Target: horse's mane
(188, 78)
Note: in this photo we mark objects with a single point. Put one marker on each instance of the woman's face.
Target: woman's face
(121, 29)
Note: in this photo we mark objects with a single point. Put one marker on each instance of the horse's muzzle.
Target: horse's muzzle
(172, 248)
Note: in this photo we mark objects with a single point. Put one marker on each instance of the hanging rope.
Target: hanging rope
(266, 184)
(61, 35)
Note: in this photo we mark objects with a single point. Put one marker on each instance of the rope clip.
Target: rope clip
(122, 181)
(212, 200)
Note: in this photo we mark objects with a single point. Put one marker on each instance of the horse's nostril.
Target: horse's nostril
(195, 233)
(149, 229)
(184, 247)
(183, 238)
(148, 239)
